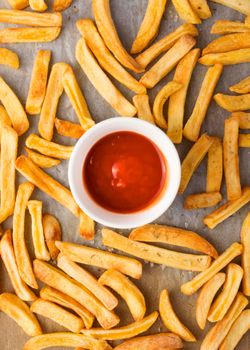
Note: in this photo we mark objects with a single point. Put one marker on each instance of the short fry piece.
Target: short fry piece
(170, 319)
(243, 87)
(223, 260)
(52, 233)
(233, 103)
(226, 58)
(30, 18)
(127, 290)
(244, 140)
(86, 227)
(245, 240)
(202, 200)
(38, 5)
(227, 43)
(61, 5)
(18, 4)
(226, 27)
(244, 119)
(215, 166)
(4, 120)
(68, 129)
(41, 160)
(201, 8)
(141, 103)
(29, 35)
(186, 11)
(9, 58)
(242, 6)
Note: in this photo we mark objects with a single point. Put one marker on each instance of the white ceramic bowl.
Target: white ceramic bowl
(120, 220)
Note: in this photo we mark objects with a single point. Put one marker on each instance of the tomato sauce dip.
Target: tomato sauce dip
(124, 172)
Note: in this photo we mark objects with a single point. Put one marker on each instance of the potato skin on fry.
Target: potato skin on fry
(52, 233)
(61, 5)
(202, 200)
(68, 129)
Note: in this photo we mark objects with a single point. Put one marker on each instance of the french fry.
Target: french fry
(132, 330)
(9, 260)
(193, 159)
(227, 43)
(217, 334)
(233, 103)
(106, 27)
(38, 5)
(238, 5)
(243, 87)
(186, 11)
(142, 105)
(61, 5)
(18, 4)
(223, 260)
(230, 289)
(226, 58)
(160, 99)
(31, 18)
(201, 8)
(14, 108)
(154, 254)
(100, 258)
(38, 83)
(41, 160)
(86, 227)
(226, 27)
(177, 100)
(101, 81)
(245, 240)
(168, 61)
(41, 251)
(127, 290)
(57, 314)
(59, 280)
(15, 308)
(214, 166)
(193, 126)
(53, 93)
(244, 140)
(149, 26)
(88, 281)
(22, 255)
(106, 60)
(68, 129)
(9, 58)
(244, 119)
(4, 120)
(247, 21)
(206, 296)
(52, 232)
(29, 35)
(170, 319)
(202, 200)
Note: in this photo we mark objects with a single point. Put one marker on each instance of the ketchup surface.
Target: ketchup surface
(124, 172)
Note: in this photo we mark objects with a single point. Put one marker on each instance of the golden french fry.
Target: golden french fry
(149, 26)
(244, 119)
(233, 103)
(227, 43)
(202, 200)
(106, 60)
(193, 126)
(86, 227)
(226, 27)
(223, 260)
(206, 296)
(186, 11)
(9, 260)
(61, 5)
(201, 8)
(242, 6)
(161, 98)
(68, 129)
(177, 100)
(217, 334)
(31, 18)
(18, 4)
(244, 140)
(245, 240)
(41, 251)
(29, 35)
(15, 308)
(88, 281)
(247, 21)
(38, 5)
(142, 105)
(52, 232)
(193, 159)
(4, 120)
(9, 58)
(167, 62)
(101, 81)
(226, 58)
(127, 290)
(154, 254)
(214, 166)
(14, 108)
(62, 282)
(243, 87)
(38, 83)
(170, 319)
(41, 160)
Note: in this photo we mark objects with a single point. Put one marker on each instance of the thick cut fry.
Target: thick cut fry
(101, 81)
(202, 200)
(61, 5)
(217, 334)
(233, 103)
(15, 308)
(31, 18)
(244, 119)
(223, 260)
(52, 232)
(176, 107)
(4, 120)
(38, 5)
(29, 35)
(142, 105)
(68, 129)
(18, 4)
(127, 290)
(193, 159)
(227, 43)
(245, 240)
(41, 251)
(226, 58)
(57, 314)
(226, 27)
(14, 108)
(48, 148)
(170, 319)
(9, 58)
(160, 99)
(206, 296)
(186, 11)
(243, 87)
(154, 254)
(167, 62)
(88, 281)
(9, 260)
(150, 25)
(201, 8)
(214, 166)
(41, 160)
(242, 6)
(38, 83)
(59, 280)
(244, 140)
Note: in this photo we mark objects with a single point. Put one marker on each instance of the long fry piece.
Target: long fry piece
(227, 27)
(226, 58)
(61, 5)
(186, 11)
(202, 200)
(233, 103)
(41, 160)
(245, 240)
(29, 35)
(142, 105)
(52, 233)
(18, 4)
(242, 6)
(68, 129)
(4, 120)
(38, 5)
(9, 58)
(227, 43)
(215, 166)
(30, 18)
(201, 8)
(243, 87)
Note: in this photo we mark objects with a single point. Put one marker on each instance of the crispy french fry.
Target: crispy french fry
(217, 334)
(101, 81)
(142, 105)
(160, 99)
(226, 58)
(170, 319)
(177, 100)
(38, 83)
(4, 120)
(154, 254)
(149, 26)
(206, 296)
(41, 251)
(215, 166)
(68, 129)
(202, 200)
(29, 35)
(41, 160)
(227, 43)
(31, 18)
(9, 58)
(201, 8)
(223, 260)
(127, 290)
(59, 280)
(242, 6)
(244, 119)
(193, 126)
(100, 258)
(48, 148)
(61, 5)
(193, 159)
(52, 232)
(38, 5)
(247, 21)
(9, 260)
(233, 103)
(226, 27)
(167, 62)
(106, 60)
(15, 308)
(243, 87)
(244, 140)
(186, 11)
(88, 281)
(245, 240)
(18, 4)
(86, 227)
